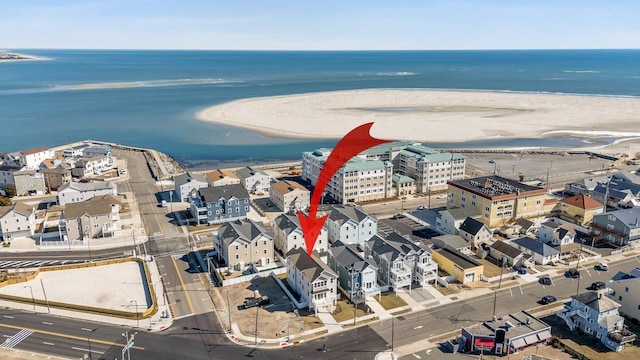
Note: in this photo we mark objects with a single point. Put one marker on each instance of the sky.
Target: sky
(319, 25)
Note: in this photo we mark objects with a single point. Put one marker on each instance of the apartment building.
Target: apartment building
(84, 190)
(312, 279)
(288, 195)
(96, 217)
(241, 243)
(287, 235)
(430, 168)
(29, 182)
(350, 225)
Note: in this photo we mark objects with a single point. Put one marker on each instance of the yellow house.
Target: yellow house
(455, 263)
(578, 209)
(498, 199)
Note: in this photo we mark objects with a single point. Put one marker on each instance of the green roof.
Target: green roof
(399, 178)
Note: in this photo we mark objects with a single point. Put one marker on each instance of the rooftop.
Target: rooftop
(582, 201)
(287, 186)
(523, 324)
(312, 267)
(536, 246)
(495, 186)
(457, 257)
(596, 301)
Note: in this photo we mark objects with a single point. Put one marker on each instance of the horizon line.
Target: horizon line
(313, 50)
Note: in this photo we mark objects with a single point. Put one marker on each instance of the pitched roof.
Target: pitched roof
(312, 267)
(87, 185)
(33, 151)
(218, 174)
(392, 246)
(459, 213)
(342, 213)
(97, 205)
(248, 171)
(596, 301)
(506, 249)
(245, 230)
(4, 210)
(524, 223)
(471, 226)
(536, 246)
(211, 194)
(287, 186)
(287, 223)
(187, 177)
(582, 201)
(348, 257)
(455, 241)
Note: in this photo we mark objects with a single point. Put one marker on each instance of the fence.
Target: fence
(240, 279)
(298, 305)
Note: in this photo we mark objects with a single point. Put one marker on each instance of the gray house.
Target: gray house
(357, 276)
(188, 182)
(215, 205)
(474, 231)
(542, 253)
(618, 227)
(254, 180)
(597, 316)
(242, 243)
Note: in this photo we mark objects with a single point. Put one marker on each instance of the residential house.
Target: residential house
(97, 217)
(56, 177)
(357, 276)
(554, 234)
(75, 151)
(350, 225)
(499, 200)
(222, 177)
(288, 195)
(287, 235)
(254, 180)
(29, 182)
(215, 205)
(597, 316)
(78, 191)
(186, 183)
(542, 253)
(32, 158)
(584, 186)
(17, 221)
(619, 227)
(578, 209)
(464, 268)
(357, 180)
(93, 166)
(502, 251)
(450, 219)
(475, 232)
(6, 174)
(400, 262)
(243, 243)
(523, 227)
(94, 150)
(622, 190)
(312, 280)
(625, 289)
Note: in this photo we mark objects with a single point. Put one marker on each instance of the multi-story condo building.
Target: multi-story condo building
(430, 168)
(29, 182)
(94, 218)
(218, 204)
(579, 209)
(287, 235)
(597, 316)
(6, 174)
(84, 190)
(241, 243)
(288, 195)
(350, 225)
(619, 227)
(185, 183)
(625, 289)
(254, 180)
(92, 166)
(56, 177)
(221, 177)
(498, 199)
(357, 276)
(32, 158)
(312, 279)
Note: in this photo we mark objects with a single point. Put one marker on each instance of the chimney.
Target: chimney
(599, 295)
(636, 221)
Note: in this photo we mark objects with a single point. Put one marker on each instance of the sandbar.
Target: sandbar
(432, 115)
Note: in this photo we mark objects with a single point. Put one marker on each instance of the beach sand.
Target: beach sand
(434, 115)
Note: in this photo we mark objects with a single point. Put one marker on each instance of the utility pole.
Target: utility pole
(495, 293)
(256, 334)
(229, 309)
(393, 323)
(578, 264)
(45, 297)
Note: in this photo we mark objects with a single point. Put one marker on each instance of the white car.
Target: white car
(602, 266)
(441, 196)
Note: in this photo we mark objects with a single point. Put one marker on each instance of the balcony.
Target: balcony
(622, 336)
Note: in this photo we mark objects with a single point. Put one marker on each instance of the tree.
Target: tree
(10, 190)
(5, 201)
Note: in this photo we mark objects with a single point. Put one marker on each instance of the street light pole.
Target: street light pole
(45, 297)
(229, 309)
(578, 264)
(137, 319)
(255, 338)
(33, 301)
(495, 293)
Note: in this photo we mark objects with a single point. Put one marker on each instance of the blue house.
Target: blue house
(597, 316)
(219, 204)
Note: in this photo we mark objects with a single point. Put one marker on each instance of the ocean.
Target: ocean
(154, 95)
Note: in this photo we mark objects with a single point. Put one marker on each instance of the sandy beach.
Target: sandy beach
(21, 57)
(430, 115)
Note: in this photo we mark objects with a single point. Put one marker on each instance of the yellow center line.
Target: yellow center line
(184, 288)
(67, 336)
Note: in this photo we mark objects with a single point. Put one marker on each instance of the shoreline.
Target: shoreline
(22, 57)
(456, 115)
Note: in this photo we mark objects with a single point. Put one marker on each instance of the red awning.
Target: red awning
(484, 342)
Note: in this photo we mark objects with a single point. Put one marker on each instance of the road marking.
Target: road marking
(510, 292)
(81, 349)
(86, 329)
(186, 294)
(47, 323)
(416, 356)
(521, 292)
(417, 327)
(588, 272)
(9, 317)
(635, 257)
(48, 343)
(67, 336)
(17, 338)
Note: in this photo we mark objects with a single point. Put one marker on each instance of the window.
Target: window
(626, 289)
(620, 298)
(237, 256)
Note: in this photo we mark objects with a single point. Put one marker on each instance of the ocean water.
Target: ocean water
(153, 95)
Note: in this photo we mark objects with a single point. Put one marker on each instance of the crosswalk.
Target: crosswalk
(16, 339)
(36, 263)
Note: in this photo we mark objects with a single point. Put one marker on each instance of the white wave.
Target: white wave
(582, 71)
(554, 78)
(396, 73)
(144, 83)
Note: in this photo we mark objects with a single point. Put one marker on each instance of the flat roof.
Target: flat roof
(491, 187)
(457, 257)
(518, 326)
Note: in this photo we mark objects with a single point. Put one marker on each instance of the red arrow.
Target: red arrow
(355, 142)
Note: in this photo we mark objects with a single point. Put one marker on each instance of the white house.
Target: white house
(312, 279)
(288, 235)
(625, 289)
(84, 190)
(96, 165)
(555, 234)
(474, 231)
(254, 180)
(288, 195)
(32, 158)
(186, 183)
(241, 243)
(449, 220)
(350, 225)
(6, 174)
(16, 221)
(542, 253)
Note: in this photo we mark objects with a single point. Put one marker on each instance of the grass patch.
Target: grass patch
(490, 270)
(401, 312)
(344, 311)
(391, 301)
(447, 290)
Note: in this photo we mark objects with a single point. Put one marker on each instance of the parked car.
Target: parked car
(573, 273)
(252, 302)
(163, 203)
(602, 266)
(545, 280)
(492, 161)
(522, 271)
(598, 285)
(548, 299)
